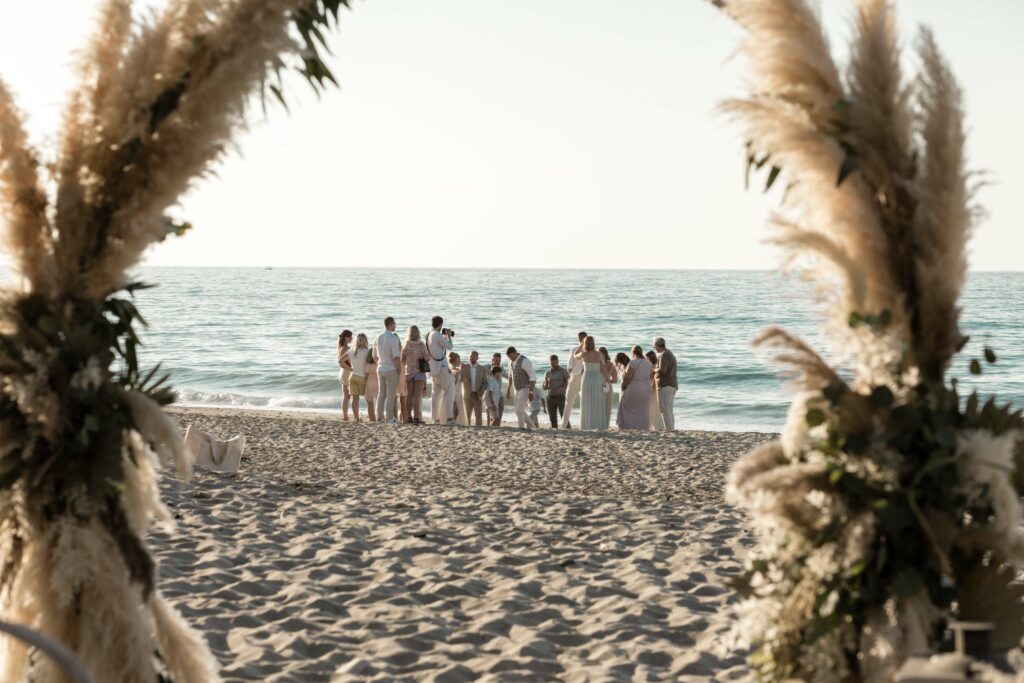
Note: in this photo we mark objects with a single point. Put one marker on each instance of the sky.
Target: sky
(526, 133)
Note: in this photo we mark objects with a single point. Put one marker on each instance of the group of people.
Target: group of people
(390, 377)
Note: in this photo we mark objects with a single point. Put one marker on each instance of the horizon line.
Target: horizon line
(652, 269)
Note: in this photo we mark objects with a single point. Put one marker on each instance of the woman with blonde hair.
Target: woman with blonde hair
(359, 359)
(415, 364)
(344, 339)
(592, 401)
(613, 378)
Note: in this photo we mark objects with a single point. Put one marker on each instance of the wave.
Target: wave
(191, 397)
(256, 380)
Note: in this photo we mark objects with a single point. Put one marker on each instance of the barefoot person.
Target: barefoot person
(455, 366)
(613, 378)
(359, 360)
(575, 381)
(499, 401)
(592, 402)
(556, 381)
(522, 381)
(416, 364)
(344, 339)
(387, 350)
(667, 383)
(474, 385)
(494, 398)
(536, 405)
(635, 399)
(442, 401)
(657, 423)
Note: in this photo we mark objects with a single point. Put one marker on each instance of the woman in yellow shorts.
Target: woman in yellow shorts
(359, 358)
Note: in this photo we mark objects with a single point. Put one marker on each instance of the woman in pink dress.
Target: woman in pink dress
(656, 421)
(635, 400)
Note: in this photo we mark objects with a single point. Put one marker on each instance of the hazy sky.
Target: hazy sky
(525, 133)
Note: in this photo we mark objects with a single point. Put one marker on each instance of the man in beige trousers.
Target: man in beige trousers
(667, 382)
(474, 386)
(575, 367)
(522, 382)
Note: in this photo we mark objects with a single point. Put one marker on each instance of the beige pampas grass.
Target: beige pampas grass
(160, 430)
(804, 362)
(183, 649)
(205, 84)
(887, 495)
(945, 214)
(22, 199)
(82, 439)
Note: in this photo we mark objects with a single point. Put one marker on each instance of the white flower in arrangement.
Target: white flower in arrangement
(877, 355)
(887, 498)
(985, 460)
(90, 376)
(828, 605)
(825, 659)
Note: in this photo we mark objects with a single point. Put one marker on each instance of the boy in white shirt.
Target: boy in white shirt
(494, 399)
(535, 408)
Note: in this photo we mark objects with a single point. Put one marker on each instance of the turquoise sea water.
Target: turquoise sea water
(265, 338)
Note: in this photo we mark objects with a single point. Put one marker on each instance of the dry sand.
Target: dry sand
(375, 552)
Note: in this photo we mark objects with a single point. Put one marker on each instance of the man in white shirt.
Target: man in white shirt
(442, 399)
(388, 350)
(575, 368)
(523, 381)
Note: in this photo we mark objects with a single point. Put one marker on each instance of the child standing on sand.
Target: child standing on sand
(535, 407)
(493, 398)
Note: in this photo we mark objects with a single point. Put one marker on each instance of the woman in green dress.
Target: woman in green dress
(593, 408)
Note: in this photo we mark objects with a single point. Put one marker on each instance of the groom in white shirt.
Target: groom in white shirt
(523, 381)
(442, 399)
(572, 393)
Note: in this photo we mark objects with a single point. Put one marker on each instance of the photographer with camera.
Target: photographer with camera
(442, 401)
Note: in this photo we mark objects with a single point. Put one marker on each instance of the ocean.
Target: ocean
(265, 338)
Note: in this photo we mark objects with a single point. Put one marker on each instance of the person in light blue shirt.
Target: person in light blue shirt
(494, 398)
(536, 405)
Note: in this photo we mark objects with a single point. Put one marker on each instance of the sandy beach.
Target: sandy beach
(374, 552)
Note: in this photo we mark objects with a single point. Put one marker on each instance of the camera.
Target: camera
(447, 332)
